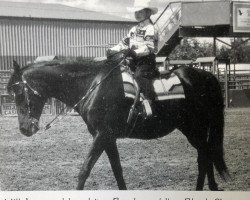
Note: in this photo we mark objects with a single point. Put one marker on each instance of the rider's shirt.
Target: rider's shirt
(143, 38)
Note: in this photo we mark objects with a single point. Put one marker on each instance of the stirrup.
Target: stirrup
(147, 108)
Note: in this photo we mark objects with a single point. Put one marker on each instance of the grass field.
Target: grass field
(51, 160)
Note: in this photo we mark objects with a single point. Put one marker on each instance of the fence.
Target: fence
(235, 85)
(4, 77)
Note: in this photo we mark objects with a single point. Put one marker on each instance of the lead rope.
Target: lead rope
(84, 97)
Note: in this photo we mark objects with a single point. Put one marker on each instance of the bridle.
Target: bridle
(35, 92)
(26, 87)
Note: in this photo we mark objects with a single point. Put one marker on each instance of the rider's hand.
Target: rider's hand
(133, 47)
(132, 54)
(109, 53)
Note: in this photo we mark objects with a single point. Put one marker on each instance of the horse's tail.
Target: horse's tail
(216, 126)
(215, 143)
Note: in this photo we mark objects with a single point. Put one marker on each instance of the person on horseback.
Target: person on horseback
(142, 40)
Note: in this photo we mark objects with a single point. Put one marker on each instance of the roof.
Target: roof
(180, 62)
(54, 11)
(160, 59)
(45, 58)
(205, 60)
(205, 13)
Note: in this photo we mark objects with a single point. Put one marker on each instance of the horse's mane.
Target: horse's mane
(77, 64)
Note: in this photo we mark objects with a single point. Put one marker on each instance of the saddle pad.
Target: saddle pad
(165, 89)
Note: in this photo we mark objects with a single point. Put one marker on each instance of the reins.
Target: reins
(85, 96)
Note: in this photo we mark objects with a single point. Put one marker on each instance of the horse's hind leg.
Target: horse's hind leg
(205, 166)
(197, 137)
(95, 151)
(202, 168)
(114, 159)
(211, 180)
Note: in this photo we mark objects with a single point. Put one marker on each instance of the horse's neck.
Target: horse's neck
(67, 86)
(75, 87)
(66, 82)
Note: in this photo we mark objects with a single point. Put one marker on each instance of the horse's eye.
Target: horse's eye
(12, 96)
(18, 89)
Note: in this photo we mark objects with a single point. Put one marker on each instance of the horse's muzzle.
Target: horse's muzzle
(30, 128)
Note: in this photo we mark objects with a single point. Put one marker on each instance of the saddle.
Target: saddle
(165, 87)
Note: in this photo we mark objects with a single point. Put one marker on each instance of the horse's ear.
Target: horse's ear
(16, 67)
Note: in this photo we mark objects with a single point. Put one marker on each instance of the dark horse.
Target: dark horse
(200, 116)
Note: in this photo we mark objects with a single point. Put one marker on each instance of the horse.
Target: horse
(95, 90)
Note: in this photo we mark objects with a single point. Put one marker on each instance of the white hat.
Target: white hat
(154, 10)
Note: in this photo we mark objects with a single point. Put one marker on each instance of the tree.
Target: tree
(187, 50)
(240, 51)
(224, 53)
(247, 53)
(191, 49)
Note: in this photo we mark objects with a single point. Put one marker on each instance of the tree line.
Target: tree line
(190, 49)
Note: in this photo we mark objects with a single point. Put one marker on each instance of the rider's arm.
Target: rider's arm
(124, 44)
(126, 40)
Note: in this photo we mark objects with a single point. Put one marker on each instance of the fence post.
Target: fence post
(53, 107)
(226, 87)
(1, 104)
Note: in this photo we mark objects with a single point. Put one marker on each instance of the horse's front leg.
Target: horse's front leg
(95, 152)
(114, 159)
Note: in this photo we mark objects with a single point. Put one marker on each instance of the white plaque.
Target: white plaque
(241, 17)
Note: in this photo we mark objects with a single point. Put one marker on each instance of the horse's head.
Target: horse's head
(29, 102)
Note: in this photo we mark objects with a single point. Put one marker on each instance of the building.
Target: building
(29, 30)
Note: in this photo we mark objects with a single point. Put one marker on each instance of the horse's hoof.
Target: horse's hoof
(214, 187)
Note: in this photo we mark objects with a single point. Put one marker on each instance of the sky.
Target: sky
(122, 8)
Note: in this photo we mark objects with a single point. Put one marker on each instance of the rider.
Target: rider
(142, 39)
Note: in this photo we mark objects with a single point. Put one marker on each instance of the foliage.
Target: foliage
(190, 49)
(224, 53)
(240, 51)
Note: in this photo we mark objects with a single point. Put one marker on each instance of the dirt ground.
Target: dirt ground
(51, 160)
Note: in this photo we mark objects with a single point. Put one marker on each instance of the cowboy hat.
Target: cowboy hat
(153, 10)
